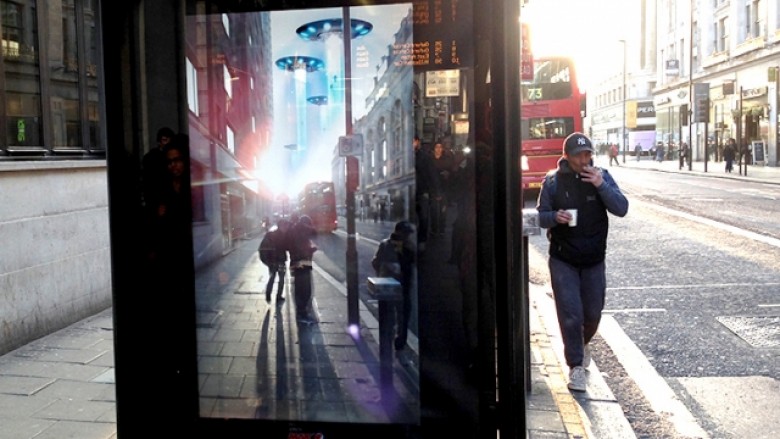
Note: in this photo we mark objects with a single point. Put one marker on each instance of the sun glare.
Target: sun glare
(580, 29)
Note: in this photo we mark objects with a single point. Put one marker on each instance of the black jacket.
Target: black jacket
(586, 244)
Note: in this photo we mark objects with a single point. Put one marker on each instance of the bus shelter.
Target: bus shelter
(267, 98)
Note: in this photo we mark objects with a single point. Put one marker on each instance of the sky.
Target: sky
(588, 31)
(323, 124)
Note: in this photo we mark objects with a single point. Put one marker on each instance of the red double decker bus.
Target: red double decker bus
(318, 201)
(552, 108)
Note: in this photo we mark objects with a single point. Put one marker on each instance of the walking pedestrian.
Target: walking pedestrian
(395, 258)
(638, 151)
(685, 152)
(613, 155)
(659, 153)
(578, 249)
(273, 253)
(302, 250)
(424, 172)
(442, 164)
(730, 154)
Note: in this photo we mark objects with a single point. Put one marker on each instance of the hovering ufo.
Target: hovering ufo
(296, 62)
(317, 30)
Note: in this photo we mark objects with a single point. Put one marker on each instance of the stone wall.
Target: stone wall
(55, 266)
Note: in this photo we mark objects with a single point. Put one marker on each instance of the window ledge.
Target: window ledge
(43, 165)
(749, 46)
(715, 58)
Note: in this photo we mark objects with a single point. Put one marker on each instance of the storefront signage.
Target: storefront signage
(645, 109)
(441, 83)
(751, 93)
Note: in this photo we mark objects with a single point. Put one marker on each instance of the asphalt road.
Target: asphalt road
(690, 341)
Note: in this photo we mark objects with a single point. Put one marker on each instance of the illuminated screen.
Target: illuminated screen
(274, 339)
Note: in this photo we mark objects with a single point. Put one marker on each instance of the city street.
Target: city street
(692, 311)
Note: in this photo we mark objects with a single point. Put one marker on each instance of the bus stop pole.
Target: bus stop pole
(353, 311)
(508, 248)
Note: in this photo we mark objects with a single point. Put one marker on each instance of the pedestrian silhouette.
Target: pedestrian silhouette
(155, 169)
(273, 253)
(302, 248)
(395, 257)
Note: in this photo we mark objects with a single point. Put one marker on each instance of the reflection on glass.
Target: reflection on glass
(93, 47)
(268, 137)
(22, 79)
(64, 72)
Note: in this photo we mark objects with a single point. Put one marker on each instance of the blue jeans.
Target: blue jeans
(579, 299)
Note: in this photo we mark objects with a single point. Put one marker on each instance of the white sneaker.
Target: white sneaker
(586, 357)
(577, 379)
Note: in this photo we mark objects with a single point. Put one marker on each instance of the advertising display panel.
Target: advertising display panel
(320, 244)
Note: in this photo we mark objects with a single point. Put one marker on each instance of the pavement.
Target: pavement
(62, 385)
(755, 173)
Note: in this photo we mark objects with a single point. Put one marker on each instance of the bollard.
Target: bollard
(388, 292)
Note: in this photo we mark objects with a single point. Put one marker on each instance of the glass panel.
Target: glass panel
(63, 56)
(265, 143)
(360, 302)
(93, 58)
(22, 79)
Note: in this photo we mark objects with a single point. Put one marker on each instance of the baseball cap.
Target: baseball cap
(575, 143)
(404, 227)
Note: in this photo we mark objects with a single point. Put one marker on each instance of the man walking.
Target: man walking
(302, 250)
(730, 154)
(273, 253)
(613, 155)
(395, 257)
(578, 246)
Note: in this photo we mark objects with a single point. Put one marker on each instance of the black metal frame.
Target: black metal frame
(156, 384)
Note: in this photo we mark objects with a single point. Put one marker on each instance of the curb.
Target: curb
(595, 413)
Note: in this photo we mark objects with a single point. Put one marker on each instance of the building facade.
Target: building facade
(713, 75)
(55, 258)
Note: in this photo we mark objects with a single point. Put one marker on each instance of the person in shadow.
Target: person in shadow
(395, 257)
(273, 253)
(171, 215)
(155, 169)
(302, 248)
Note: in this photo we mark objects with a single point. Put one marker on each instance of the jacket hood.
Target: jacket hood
(563, 166)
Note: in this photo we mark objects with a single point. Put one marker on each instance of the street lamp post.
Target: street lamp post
(623, 131)
(690, 91)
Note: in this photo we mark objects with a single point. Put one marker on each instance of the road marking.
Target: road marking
(654, 387)
(358, 237)
(769, 305)
(695, 286)
(718, 225)
(618, 311)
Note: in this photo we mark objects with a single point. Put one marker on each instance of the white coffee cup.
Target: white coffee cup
(573, 220)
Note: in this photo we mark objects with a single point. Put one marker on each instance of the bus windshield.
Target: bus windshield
(547, 127)
(552, 80)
